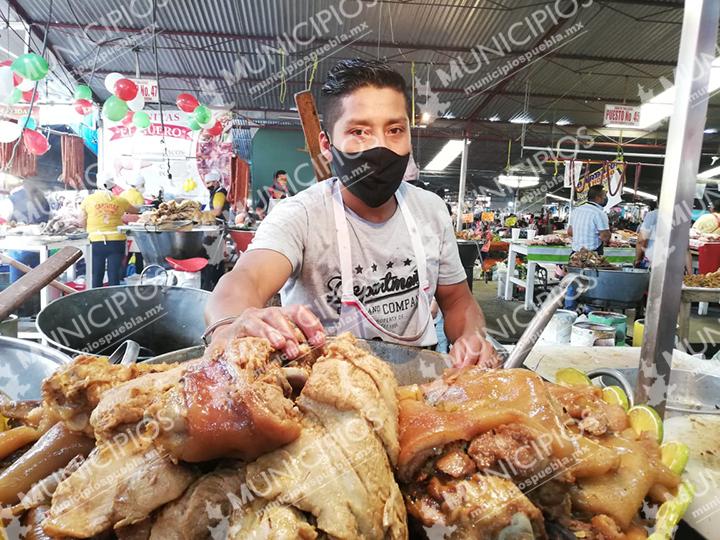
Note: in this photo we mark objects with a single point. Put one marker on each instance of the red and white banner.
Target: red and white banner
(165, 162)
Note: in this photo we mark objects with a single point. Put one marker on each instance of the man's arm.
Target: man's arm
(604, 236)
(465, 326)
(569, 231)
(244, 292)
(640, 247)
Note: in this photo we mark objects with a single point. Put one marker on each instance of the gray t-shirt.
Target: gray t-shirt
(302, 228)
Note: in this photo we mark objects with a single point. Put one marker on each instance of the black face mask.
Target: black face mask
(373, 176)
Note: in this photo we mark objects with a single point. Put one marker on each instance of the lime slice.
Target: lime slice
(672, 511)
(646, 419)
(616, 396)
(675, 456)
(571, 377)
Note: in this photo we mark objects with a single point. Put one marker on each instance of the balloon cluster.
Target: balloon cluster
(126, 103)
(17, 81)
(200, 117)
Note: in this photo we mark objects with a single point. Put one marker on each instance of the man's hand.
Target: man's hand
(473, 349)
(277, 325)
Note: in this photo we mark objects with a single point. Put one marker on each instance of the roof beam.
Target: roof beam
(362, 43)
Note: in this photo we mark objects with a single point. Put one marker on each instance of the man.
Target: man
(589, 226)
(103, 214)
(646, 238)
(709, 223)
(363, 252)
(268, 198)
(215, 245)
(589, 229)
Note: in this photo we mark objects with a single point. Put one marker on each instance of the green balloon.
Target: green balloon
(14, 97)
(31, 66)
(141, 119)
(202, 114)
(83, 92)
(115, 109)
(192, 124)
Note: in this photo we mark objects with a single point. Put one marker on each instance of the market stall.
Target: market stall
(538, 255)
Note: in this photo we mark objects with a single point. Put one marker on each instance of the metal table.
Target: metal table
(548, 255)
(687, 296)
(43, 245)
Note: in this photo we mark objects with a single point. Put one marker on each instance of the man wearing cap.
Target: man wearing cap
(103, 214)
(218, 203)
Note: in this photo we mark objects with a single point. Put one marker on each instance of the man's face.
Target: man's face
(282, 179)
(370, 117)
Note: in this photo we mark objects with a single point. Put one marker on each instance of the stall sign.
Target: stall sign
(487, 217)
(19, 111)
(149, 89)
(609, 175)
(468, 218)
(621, 116)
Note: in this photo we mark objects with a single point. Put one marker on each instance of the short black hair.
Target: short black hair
(595, 191)
(349, 75)
(278, 173)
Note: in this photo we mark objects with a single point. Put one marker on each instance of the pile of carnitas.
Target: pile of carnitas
(173, 211)
(237, 445)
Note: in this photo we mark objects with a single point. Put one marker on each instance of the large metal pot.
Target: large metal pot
(161, 319)
(24, 365)
(615, 287)
(155, 246)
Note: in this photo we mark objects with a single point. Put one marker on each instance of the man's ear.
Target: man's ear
(325, 145)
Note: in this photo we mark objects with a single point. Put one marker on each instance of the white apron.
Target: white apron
(353, 315)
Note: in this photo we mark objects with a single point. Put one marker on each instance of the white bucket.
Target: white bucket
(531, 233)
(515, 234)
(559, 328)
(586, 334)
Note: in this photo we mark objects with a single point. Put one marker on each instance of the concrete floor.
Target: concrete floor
(507, 320)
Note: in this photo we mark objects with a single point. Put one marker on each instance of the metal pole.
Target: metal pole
(461, 189)
(684, 144)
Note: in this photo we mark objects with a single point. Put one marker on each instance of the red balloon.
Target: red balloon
(83, 106)
(187, 103)
(215, 130)
(17, 79)
(125, 89)
(128, 118)
(27, 96)
(35, 142)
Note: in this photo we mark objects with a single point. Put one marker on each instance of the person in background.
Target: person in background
(29, 206)
(134, 195)
(511, 220)
(215, 246)
(709, 223)
(589, 229)
(278, 191)
(103, 214)
(646, 238)
(217, 202)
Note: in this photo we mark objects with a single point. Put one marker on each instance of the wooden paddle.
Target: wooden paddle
(25, 269)
(36, 279)
(310, 121)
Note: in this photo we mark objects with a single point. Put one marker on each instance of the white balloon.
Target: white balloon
(6, 82)
(26, 85)
(137, 103)
(9, 131)
(110, 81)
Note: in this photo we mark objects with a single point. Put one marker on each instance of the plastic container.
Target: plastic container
(531, 233)
(610, 318)
(515, 234)
(587, 334)
(559, 329)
